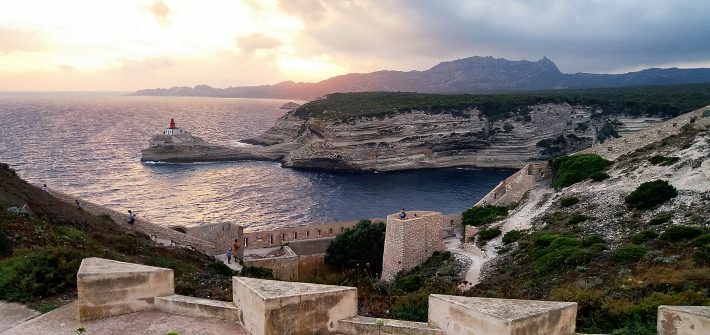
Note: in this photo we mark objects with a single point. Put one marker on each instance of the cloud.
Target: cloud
(160, 10)
(18, 40)
(257, 41)
(590, 36)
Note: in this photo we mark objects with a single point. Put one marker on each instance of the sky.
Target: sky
(125, 45)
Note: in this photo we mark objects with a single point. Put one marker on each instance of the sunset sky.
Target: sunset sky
(126, 45)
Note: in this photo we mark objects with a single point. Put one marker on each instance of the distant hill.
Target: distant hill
(468, 75)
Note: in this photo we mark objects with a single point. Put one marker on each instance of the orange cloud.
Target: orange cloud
(257, 41)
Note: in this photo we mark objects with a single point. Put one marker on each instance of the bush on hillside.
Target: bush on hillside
(660, 218)
(551, 252)
(569, 201)
(489, 234)
(701, 257)
(599, 176)
(572, 169)
(650, 194)
(478, 216)
(39, 272)
(680, 233)
(629, 253)
(702, 240)
(257, 272)
(362, 244)
(512, 236)
(644, 236)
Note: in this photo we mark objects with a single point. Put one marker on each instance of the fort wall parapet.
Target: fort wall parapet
(269, 307)
(410, 241)
(511, 190)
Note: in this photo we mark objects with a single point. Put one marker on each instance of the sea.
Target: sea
(88, 145)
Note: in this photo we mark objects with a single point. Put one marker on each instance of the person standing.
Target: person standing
(229, 256)
(131, 217)
(45, 188)
(402, 214)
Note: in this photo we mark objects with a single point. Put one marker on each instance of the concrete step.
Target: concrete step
(365, 325)
(184, 305)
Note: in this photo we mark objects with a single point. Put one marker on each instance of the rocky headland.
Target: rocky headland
(379, 131)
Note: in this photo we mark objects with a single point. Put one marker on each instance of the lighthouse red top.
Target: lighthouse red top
(172, 124)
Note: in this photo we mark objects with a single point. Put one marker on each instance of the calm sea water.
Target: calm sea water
(89, 145)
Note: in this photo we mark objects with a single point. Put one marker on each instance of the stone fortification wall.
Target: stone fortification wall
(221, 234)
(410, 241)
(512, 189)
(270, 238)
(285, 267)
(311, 247)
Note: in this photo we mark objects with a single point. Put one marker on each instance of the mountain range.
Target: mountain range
(468, 75)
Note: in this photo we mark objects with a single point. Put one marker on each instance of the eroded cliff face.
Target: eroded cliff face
(417, 139)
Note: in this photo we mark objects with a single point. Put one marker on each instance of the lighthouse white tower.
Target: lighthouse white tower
(172, 130)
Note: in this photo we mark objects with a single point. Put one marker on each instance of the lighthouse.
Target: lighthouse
(172, 130)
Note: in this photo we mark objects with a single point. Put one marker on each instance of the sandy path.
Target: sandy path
(538, 201)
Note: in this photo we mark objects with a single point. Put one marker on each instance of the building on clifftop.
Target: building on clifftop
(172, 137)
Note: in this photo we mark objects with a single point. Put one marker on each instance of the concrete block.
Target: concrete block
(191, 306)
(683, 320)
(270, 307)
(361, 325)
(108, 288)
(484, 316)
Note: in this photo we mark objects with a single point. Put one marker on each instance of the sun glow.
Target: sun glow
(103, 37)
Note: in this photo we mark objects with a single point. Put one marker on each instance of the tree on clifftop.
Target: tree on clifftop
(362, 244)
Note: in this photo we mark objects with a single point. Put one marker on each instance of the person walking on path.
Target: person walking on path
(229, 256)
(131, 218)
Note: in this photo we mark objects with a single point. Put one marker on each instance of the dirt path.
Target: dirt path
(538, 200)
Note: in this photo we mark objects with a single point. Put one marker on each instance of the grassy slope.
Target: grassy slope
(651, 100)
(618, 282)
(40, 253)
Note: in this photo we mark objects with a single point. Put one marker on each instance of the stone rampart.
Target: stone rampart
(512, 189)
(410, 241)
(108, 288)
(683, 320)
(221, 234)
(282, 308)
(285, 266)
(270, 238)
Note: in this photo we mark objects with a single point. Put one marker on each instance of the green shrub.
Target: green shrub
(39, 272)
(660, 218)
(701, 240)
(220, 268)
(629, 253)
(552, 252)
(257, 272)
(650, 194)
(680, 233)
(569, 201)
(572, 169)
(644, 236)
(577, 218)
(599, 176)
(478, 216)
(706, 113)
(663, 160)
(489, 234)
(512, 236)
(701, 257)
(362, 244)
